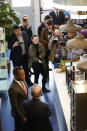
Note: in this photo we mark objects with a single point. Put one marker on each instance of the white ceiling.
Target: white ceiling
(70, 5)
(71, 2)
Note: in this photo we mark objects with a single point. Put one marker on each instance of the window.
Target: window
(20, 3)
(46, 4)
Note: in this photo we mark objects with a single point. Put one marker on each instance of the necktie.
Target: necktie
(57, 14)
(24, 87)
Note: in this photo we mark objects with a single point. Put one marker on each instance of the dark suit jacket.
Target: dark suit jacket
(17, 97)
(28, 31)
(40, 30)
(16, 52)
(57, 20)
(38, 114)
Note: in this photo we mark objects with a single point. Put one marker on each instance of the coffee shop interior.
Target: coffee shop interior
(60, 26)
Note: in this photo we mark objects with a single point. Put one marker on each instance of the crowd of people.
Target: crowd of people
(28, 52)
(32, 51)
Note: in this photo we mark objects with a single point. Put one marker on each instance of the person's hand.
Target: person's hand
(67, 48)
(15, 44)
(24, 119)
(25, 24)
(52, 38)
(56, 26)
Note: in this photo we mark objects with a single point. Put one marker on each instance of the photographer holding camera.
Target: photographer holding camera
(19, 45)
(26, 27)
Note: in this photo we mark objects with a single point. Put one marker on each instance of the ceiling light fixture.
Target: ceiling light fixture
(70, 27)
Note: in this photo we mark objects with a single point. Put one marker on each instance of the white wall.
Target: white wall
(36, 14)
(32, 11)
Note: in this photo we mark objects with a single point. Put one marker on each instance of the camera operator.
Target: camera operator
(19, 45)
(26, 27)
(61, 44)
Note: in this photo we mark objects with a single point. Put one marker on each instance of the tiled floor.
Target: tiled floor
(7, 120)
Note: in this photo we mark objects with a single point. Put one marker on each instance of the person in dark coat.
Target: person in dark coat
(42, 25)
(19, 45)
(57, 16)
(47, 35)
(18, 93)
(26, 27)
(37, 112)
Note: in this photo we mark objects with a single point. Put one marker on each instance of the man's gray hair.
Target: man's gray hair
(36, 91)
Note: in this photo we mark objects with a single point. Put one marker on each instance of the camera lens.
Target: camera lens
(24, 19)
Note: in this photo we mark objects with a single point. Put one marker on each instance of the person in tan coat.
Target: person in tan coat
(47, 35)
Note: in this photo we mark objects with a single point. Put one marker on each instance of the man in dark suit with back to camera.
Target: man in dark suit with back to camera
(37, 112)
(18, 93)
(19, 44)
(58, 17)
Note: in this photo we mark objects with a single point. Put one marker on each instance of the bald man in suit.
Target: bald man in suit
(37, 112)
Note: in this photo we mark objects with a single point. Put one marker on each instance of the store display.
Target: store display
(72, 73)
(78, 104)
(62, 65)
(1, 33)
(3, 62)
(82, 65)
(1, 46)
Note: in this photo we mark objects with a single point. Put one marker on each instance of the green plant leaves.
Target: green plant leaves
(7, 18)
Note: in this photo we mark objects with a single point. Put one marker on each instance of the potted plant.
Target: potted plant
(7, 17)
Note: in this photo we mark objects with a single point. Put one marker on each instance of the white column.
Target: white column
(36, 14)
